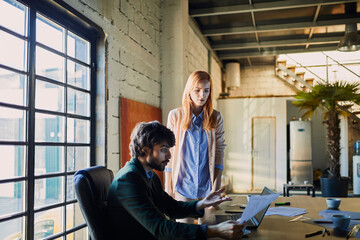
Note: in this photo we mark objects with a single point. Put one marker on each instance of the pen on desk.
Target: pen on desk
(313, 234)
(325, 231)
(282, 203)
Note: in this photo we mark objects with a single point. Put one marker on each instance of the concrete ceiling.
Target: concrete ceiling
(254, 32)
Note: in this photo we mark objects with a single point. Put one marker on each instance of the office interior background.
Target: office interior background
(67, 68)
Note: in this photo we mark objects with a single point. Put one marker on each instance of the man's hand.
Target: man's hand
(212, 199)
(228, 230)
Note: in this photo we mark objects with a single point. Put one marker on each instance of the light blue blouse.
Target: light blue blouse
(194, 176)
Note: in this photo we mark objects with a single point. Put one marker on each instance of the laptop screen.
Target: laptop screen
(260, 215)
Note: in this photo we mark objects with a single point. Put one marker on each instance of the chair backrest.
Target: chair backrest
(92, 187)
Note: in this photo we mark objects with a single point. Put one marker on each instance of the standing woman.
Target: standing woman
(196, 164)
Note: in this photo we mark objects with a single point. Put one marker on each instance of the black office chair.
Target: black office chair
(92, 187)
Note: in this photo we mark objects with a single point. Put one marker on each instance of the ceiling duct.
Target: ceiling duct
(232, 75)
(351, 40)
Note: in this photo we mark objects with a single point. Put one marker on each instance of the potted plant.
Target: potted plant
(334, 98)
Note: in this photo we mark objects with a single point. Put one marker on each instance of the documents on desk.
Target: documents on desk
(326, 221)
(256, 204)
(285, 211)
(328, 213)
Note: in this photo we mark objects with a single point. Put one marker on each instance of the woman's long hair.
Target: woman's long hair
(209, 121)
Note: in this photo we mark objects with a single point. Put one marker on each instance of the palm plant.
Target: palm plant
(333, 99)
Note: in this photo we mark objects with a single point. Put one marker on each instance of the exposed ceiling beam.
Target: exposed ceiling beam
(265, 6)
(279, 27)
(233, 55)
(254, 24)
(316, 15)
(289, 42)
(249, 61)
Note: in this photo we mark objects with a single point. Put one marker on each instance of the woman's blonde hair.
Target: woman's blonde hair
(209, 121)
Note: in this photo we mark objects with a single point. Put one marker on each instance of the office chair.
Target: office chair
(92, 187)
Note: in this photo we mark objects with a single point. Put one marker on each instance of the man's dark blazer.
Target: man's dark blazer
(139, 208)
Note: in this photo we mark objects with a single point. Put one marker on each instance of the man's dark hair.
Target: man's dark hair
(148, 134)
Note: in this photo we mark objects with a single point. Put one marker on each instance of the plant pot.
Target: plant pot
(334, 187)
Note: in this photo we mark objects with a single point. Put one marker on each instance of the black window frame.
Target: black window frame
(69, 18)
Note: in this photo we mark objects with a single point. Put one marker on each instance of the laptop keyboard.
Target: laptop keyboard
(223, 218)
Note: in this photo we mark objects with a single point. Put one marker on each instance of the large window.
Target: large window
(46, 121)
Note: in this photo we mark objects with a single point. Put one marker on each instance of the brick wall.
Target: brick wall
(260, 81)
(196, 53)
(197, 57)
(132, 57)
(216, 75)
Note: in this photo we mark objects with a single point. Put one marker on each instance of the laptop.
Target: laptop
(252, 223)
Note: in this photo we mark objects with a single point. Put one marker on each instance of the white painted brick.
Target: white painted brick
(121, 22)
(127, 9)
(150, 30)
(136, 5)
(134, 32)
(127, 57)
(140, 20)
(157, 9)
(157, 37)
(110, 8)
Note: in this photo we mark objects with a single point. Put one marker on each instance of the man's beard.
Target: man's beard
(152, 162)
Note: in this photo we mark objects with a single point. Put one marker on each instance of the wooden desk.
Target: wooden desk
(279, 228)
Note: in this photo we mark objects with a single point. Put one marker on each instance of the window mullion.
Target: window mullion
(31, 127)
(93, 102)
(66, 126)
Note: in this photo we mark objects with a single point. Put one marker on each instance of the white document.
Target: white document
(256, 204)
(285, 211)
(328, 213)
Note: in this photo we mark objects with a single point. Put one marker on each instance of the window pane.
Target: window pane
(49, 64)
(78, 158)
(49, 159)
(78, 48)
(12, 229)
(11, 198)
(48, 223)
(12, 16)
(70, 191)
(78, 130)
(78, 75)
(49, 128)
(49, 33)
(78, 102)
(73, 216)
(12, 124)
(12, 87)
(12, 162)
(49, 96)
(48, 191)
(81, 234)
(12, 51)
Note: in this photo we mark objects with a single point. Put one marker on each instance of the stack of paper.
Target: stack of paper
(285, 211)
(328, 213)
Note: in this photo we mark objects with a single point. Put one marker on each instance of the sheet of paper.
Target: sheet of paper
(256, 204)
(328, 213)
(327, 223)
(285, 211)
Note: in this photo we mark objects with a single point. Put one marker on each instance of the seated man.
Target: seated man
(139, 208)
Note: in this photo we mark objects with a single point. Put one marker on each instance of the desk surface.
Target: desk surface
(279, 227)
